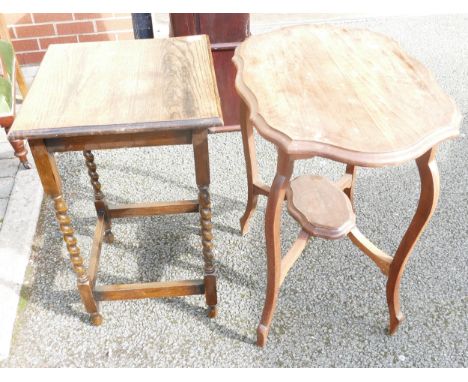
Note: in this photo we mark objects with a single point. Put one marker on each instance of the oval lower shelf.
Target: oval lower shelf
(320, 207)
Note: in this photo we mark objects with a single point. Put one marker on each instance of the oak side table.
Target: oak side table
(109, 95)
(349, 95)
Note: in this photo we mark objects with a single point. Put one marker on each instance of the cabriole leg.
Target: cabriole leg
(273, 244)
(429, 176)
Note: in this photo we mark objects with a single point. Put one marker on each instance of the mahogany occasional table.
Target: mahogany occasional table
(349, 95)
(109, 95)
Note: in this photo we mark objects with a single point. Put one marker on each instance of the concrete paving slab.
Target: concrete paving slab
(6, 185)
(3, 208)
(6, 151)
(8, 167)
(16, 237)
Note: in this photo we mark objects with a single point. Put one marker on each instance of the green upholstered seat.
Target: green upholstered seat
(7, 58)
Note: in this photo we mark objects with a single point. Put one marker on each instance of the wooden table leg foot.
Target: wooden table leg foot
(395, 321)
(262, 335)
(108, 237)
(96, 319)
(212, 311)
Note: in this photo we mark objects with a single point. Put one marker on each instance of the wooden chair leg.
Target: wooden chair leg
(20, 150)
(251, 166)
(202, 175)
(429, 176)
(273, 244)
(50, 179)
(99, 198)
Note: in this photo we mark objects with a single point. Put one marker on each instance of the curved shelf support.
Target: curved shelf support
(293, 254)
(379, 257)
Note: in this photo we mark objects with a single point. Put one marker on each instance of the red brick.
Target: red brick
(75, 28)
(30, 58)
(18, 18)
(12, 33)
(96, 37)
(92, 16)
(48, 17)
(114, 25)
(25, 45)
(45, 42)
(35, 30)
(125, 36)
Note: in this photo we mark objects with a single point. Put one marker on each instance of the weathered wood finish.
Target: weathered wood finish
(122, 90)
(226, 31)
(183, 70)
(348, 95)
(125, 140)
(337, 93)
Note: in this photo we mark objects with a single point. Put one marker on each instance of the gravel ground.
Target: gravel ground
(332, 310)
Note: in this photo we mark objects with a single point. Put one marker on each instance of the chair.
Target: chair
(8, 99)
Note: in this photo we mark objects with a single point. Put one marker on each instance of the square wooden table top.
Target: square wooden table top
(121, 87)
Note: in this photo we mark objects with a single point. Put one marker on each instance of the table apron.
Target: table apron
(116, 141)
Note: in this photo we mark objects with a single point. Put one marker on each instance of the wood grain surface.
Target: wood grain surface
(320, 206)
(120, 87)
(347, 94)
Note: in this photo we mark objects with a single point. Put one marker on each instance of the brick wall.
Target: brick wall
(32, 33)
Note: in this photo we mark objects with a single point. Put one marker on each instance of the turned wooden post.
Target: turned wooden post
(202, 175)
(50, 179)
(99, 200)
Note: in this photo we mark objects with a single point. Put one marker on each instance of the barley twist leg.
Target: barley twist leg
(84, 286)
(99, 199)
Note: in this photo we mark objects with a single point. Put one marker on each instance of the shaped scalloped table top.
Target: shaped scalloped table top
(347, 94)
